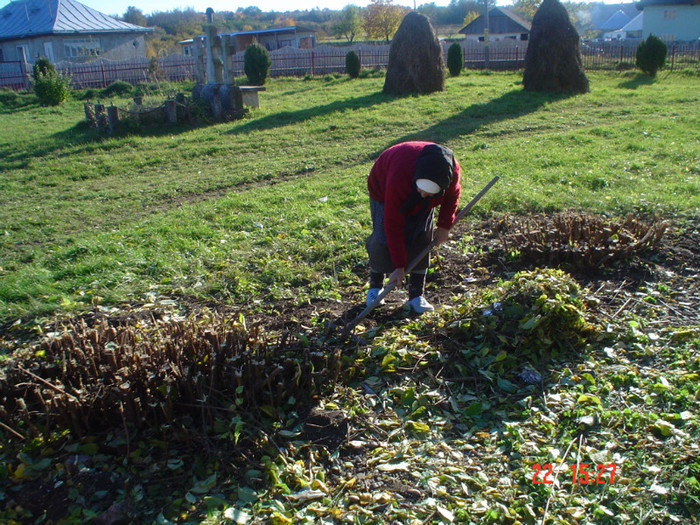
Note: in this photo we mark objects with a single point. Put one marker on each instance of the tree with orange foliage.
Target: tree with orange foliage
(382, 19)
(284, 21)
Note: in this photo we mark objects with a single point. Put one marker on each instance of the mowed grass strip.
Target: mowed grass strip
(275, 205)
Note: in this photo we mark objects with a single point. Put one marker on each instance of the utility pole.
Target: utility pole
(486, 34)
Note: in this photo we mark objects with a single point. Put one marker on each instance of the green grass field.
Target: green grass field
(275, 204)
(427, 420)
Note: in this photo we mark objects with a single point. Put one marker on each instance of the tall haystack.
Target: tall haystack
(415, 58)
(553, 58)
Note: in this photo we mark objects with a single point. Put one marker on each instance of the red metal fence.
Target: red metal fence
(13, 75)
(327, 59)
(621, 55)
(102, 73)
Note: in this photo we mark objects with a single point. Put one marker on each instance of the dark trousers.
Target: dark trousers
(418, 233)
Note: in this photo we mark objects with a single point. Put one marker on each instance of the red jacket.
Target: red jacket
(391, 182)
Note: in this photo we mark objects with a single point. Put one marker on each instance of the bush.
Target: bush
(651, 55)
(154, 71)
(372, 73)
(42, 66)
(88, 94)
(352, 64)
(117, 88)
(455, 59)
(51, 88)
(256, 64)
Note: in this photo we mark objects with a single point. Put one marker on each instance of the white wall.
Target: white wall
(672, 22)
(112, 46)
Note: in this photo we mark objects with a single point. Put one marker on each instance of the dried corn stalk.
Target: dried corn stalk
(91, 378)
(579, 239)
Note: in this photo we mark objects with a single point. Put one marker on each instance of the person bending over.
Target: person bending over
(406, 182)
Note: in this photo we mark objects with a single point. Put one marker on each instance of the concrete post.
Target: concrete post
(90, 114)
(216, 108)
(211, 71)
(171, 110)
(226, 58)
(112, 117)
(217, 59)
(101, 116)
(197, 48)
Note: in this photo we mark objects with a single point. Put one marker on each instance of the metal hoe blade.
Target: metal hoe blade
(351, 325)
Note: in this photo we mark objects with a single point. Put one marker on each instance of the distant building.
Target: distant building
(186, 46)
(65, 30)
(271, 39)
(503, 25)
(276, 38)
(631, 30)
(607, 17)
(671, 20)
(615, 23)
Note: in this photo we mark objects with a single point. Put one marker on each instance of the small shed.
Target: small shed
(271, 39)
(65, 30)
(275, 38)
(503, 25)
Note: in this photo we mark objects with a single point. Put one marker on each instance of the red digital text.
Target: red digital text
(581, 473)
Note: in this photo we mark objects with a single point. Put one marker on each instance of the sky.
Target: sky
(119, 7)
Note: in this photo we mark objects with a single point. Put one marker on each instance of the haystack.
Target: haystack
(415, 58)
(553, 59)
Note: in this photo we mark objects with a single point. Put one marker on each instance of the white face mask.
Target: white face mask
(428, 186)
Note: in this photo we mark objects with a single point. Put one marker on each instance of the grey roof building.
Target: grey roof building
(503, 25)
(616, 21)
(65, 30)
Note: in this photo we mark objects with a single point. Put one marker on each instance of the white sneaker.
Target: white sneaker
(372, 295)
(420, 305)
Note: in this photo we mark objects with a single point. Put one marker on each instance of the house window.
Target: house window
(82, 48)
(23, 53)
(669, 14)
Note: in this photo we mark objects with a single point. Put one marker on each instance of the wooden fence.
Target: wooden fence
(330, 59)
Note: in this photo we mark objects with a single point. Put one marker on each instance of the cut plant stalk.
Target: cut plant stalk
(389, 287)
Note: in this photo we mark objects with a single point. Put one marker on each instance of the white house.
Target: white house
(671, 20)
(65, 30)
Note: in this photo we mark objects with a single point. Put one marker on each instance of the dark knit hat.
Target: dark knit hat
(435, 163)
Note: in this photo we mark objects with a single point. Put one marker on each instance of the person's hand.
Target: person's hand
(397, 275)
(441, 235)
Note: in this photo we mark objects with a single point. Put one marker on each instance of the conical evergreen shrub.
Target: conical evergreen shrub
(455, 59)
(256, 64)
(651, 55)
(352, 64)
